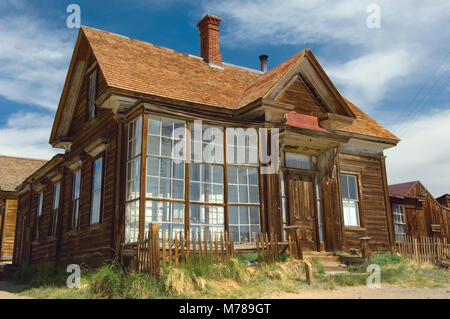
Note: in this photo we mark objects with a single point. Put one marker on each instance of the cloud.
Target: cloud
(423, 153)
(33, 59)
(410, 31)
(26, 135)
(366, 79)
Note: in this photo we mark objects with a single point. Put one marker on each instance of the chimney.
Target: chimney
(263, 58)
(209, 39)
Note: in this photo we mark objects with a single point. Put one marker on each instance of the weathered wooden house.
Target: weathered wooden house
(416, 212)
(122, 101)
(13, 170)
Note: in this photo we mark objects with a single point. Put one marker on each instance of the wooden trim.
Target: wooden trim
(143, 177)
(187, 180)
(387, 203)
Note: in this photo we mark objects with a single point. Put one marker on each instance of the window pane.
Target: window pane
(95, 211)
(132, 222)
(243, 194)
(153, 166)
(244, 233)
(233, 194)
(166, 168)
(234, 215)
(232, 175)
(243, 215)
(154, 126)
(154, 145)
(344, 184)
(152, 186)
(254, 215)
(164, 188)
(254, 194)
(98, 173)
(300, 161)
(178, 189)
(253, 176)
(353, 188)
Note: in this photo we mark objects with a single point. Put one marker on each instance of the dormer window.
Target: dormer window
(91, 95)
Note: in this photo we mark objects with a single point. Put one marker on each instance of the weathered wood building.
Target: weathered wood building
(417, 213)
(444, 200)
(13, 170)
(121, 104)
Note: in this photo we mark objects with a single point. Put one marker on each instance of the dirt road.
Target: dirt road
(9, 290)
(385, 292)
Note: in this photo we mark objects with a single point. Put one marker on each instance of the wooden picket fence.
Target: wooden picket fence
(161, 249)
(424, 249)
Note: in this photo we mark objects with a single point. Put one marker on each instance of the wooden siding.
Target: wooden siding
(7, 229)
(373, 210)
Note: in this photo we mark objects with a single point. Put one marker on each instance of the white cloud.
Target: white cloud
(410, 31)
(423, 153)
(33, 60)
(26, 135)
(365, 80)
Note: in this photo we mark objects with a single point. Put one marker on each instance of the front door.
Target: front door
(302, 210)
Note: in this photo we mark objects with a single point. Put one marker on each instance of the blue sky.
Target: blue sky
(398, 73)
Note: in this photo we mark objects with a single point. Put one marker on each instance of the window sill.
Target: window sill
(355, 228)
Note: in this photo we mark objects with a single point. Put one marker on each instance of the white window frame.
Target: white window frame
(399, 221)
(39, 213)
(55, 208)
(97, 202)
(76, 196)
(351, 205)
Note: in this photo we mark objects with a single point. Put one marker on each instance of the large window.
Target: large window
(207, 200)
(182, 195)
(133, 180)
(243, 188)
(38, 214)
(76, 198)
(350, 200)
(165, 188)
(55, 209)
(97, 190)
(399, 222)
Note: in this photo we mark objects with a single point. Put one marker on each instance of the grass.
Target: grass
(238, 278)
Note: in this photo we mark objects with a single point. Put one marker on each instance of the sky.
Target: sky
(399, 72)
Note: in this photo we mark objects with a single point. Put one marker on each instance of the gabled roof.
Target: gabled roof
(149, 70)
(402, 189)
(14, 170)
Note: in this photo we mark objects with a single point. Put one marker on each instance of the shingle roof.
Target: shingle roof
(365, 125)
(402, 189)
(14, 170)
(145, 68)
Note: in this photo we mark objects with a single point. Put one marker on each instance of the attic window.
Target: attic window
(91, 94)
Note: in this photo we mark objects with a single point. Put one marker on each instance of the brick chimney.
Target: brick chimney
(209, 39)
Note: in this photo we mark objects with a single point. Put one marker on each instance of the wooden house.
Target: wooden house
(122, 101)
(13, 170)
(416, 212)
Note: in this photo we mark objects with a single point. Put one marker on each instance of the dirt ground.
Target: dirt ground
(362, 292)
(9, 290)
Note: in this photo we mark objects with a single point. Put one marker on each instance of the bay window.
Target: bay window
(182, 195)
(350, 200)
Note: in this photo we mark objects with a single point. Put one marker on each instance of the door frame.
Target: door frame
(311, 174)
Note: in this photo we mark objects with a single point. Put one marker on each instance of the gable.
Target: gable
(295, 93)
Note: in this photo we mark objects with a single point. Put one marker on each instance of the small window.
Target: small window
(38, 213)
(97, 184)
(55, 209)
(76, 198)
(92, 95)
(399, 222)
(350, 200)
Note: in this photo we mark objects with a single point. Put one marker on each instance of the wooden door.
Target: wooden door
(302, 211)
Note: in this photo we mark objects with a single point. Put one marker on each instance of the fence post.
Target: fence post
(154, 242)
(298, 240)
(416, 251)
(308, 272)
(365, 248)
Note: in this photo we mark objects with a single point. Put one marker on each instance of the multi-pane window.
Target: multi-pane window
(76, 198)
(38, 214)
(207, 210)
(97, 190)
(299, 161)
(243, 188)
(55, 209)
(133, 180)
(350, 200)
(92, 91)
(166, 143)
(399, 222)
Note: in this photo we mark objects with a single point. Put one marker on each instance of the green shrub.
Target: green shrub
(24, 275)
(108, 281)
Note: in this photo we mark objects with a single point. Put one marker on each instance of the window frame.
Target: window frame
(40, 207)
(360, 216)
(76, 200)
(101, 157)
(402, 224)
(91, 110)
(55, 210)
